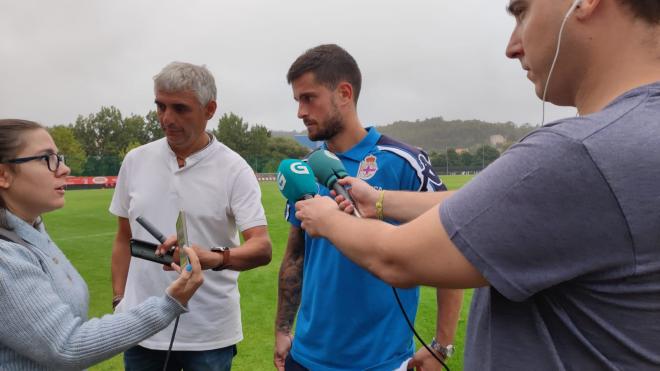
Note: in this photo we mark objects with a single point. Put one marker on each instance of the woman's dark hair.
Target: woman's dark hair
(11, 142)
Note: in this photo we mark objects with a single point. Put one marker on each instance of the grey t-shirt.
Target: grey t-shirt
(566, 228)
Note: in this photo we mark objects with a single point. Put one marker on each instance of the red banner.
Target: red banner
(86, 182)
(102, 181)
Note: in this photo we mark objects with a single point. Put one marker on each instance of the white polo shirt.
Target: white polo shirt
(221, 196)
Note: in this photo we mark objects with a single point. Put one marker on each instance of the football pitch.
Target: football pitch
(84, 230)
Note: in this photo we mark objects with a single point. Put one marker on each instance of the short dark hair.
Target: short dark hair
(648, 10)
(331, 64)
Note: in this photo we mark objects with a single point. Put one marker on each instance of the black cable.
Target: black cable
(403, 311)
(167, 356)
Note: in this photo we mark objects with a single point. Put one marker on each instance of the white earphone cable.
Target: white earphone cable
(554, 60)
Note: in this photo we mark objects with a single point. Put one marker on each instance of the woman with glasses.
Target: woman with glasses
(43, 299)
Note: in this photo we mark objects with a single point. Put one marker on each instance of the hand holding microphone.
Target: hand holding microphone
(317, 215)
(296, 181)
(328, 169)
(364, 196)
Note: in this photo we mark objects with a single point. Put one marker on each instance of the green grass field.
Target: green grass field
(84, 229)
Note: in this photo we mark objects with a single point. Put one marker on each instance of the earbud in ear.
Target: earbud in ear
(576, 4)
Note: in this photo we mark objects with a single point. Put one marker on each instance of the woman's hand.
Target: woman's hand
(190, 278)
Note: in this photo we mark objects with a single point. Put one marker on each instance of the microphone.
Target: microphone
(296, 181)
(151, 229)
(328, 169)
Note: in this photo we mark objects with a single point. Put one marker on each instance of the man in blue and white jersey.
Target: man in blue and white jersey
(348, 318)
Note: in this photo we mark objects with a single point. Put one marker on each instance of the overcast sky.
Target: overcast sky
(419, 58)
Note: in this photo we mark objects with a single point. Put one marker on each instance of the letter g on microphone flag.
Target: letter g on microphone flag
(296, 180)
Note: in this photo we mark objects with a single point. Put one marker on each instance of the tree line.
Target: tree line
(97, 143)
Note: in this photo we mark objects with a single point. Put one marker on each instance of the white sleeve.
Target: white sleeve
(120, 200)
(245, 200)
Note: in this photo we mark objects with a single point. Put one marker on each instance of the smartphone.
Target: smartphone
(182, 238)
(147, 250)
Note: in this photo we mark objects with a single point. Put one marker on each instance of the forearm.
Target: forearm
(119, 273)
(415, 253)
(289, 288)
(113, 334)
(254, 252)
(42, 324)
(101, 338)
(449, 303)
(404, 206)
(288, 299)
(121, 258)
(348, 233)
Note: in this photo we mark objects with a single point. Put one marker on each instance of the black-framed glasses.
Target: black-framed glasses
(53, 160)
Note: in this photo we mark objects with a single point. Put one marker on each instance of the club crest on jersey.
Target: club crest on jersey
(368, 167)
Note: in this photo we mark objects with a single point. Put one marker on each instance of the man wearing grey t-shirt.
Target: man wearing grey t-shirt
(561, 235)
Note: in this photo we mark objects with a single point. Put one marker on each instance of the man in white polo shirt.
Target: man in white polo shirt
(190, 170)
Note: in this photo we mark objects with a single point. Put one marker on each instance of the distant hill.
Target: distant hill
(287, 134)
(436, 134)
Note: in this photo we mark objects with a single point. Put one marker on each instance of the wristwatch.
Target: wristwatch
(225, 257)
(445, 351)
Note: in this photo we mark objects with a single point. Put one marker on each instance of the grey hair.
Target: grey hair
(180, 76)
